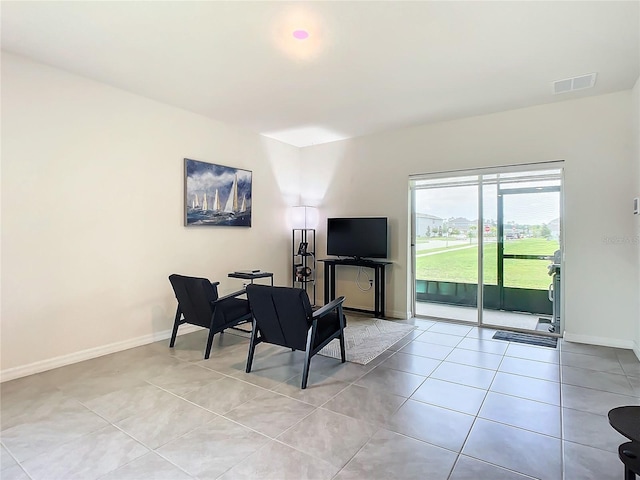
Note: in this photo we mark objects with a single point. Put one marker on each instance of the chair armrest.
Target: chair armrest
(215, 284)
(231, 295)
(328, 308)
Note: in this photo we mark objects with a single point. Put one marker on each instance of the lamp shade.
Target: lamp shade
(304, 217)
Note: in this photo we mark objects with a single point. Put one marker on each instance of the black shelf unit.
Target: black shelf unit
(303, 254)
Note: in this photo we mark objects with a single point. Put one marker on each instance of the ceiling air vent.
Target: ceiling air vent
(576, 83)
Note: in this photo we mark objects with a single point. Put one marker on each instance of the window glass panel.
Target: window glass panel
(520, 273)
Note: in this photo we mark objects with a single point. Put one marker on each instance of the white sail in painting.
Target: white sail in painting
(205, 206)
(232, 201)
(243, 208)
(196, 204)
(216, 202)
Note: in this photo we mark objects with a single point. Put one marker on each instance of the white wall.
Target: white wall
(369, 176)
(92, 198)
(92, 214)
(635, 103)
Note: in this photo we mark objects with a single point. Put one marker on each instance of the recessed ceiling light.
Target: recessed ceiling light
(300, 34)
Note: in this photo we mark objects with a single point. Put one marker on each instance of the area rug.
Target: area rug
(366, 338)
(537, 340)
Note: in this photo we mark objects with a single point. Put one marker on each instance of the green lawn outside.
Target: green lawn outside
(531, 246)
(461, 265)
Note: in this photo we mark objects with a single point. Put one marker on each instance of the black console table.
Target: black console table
(378, 283)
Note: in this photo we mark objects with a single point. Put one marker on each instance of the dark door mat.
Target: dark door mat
(538, 340)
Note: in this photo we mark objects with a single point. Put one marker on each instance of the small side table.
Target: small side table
(251, 275)
(626, 420)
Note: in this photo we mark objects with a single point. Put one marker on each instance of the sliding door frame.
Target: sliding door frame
(481, 173)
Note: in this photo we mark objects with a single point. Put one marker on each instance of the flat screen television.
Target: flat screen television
(364, 237)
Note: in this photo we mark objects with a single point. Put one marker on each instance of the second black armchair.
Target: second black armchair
(199, 304)
(283, 316)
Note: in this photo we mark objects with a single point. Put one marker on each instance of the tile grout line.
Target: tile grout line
(353, 382)
(17, 462)
(563, 470)
(475, 419)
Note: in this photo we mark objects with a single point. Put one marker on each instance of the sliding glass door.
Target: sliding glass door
(446, 249)
(497, 229)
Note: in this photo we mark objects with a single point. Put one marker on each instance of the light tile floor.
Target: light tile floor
(446, 402)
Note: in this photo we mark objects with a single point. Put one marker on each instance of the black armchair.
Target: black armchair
(283, 316)
(199, 304)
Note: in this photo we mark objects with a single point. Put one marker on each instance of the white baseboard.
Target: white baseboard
(61, 361)
(398, 315)
(602, 341)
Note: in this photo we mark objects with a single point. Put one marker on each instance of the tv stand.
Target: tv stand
(378, 283)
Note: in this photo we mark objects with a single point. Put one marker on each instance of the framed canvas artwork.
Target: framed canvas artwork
(216, 195)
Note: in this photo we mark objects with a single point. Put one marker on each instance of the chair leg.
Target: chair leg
(252, 347)
(176, 324)
(305, 371)
(343, 354)
(343, 323)
(207, 351)
(629, 474)
(307, 354)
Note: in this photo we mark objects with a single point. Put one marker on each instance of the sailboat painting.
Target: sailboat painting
(217, 194)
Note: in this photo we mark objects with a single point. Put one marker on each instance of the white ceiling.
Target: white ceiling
(367, 66)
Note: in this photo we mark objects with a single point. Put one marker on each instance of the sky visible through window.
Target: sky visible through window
(462, 201)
